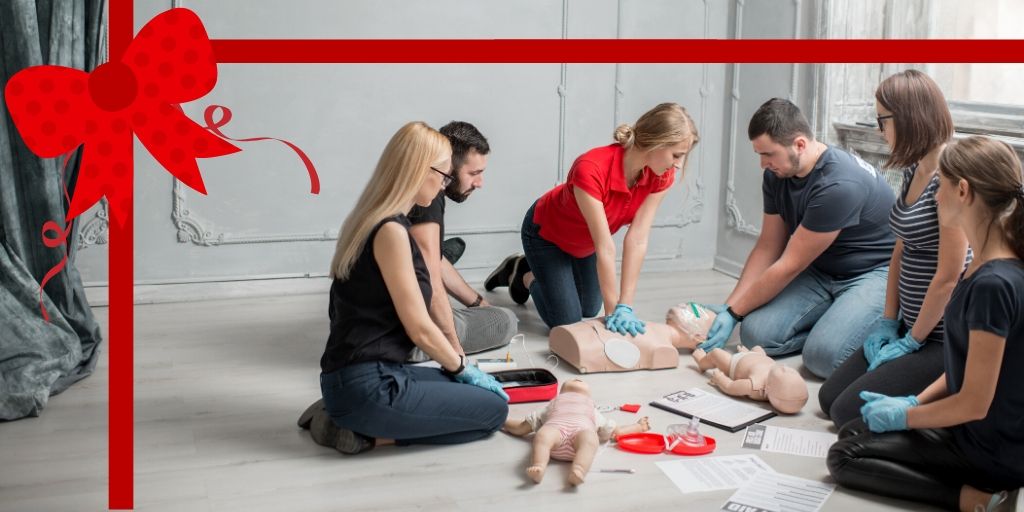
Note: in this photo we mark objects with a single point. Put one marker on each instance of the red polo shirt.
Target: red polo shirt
(597, 172)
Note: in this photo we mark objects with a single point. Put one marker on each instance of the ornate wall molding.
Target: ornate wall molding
(734, 217)
(94, 231)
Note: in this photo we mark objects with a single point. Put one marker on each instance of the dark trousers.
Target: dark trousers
(410, 404)
(906, 375)
(565, 288)
(923, 465)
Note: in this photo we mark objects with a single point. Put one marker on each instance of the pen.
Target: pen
(606, 470)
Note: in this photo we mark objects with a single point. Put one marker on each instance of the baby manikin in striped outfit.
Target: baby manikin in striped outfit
(569, 429)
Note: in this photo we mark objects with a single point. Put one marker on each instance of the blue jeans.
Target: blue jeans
(826, 318)
(565, 288)
(410, 404)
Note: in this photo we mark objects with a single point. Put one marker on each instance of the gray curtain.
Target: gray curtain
(39, 358)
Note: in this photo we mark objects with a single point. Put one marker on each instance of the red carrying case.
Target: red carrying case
(527, 385)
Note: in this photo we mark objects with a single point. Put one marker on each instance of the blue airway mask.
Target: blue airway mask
(619, 351)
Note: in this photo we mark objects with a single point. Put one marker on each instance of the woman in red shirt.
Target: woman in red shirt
(569, 266)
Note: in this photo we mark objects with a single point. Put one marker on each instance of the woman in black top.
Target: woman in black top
(378, 312)
(960, 442)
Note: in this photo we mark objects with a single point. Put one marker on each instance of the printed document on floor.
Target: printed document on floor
(775, 492)
(793, 441)
(713, 473)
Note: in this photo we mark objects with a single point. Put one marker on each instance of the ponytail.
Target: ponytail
(1013, 226)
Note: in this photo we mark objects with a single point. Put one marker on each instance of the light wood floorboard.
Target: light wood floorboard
(220, 384)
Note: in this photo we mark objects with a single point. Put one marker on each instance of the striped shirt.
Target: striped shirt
(917, 224)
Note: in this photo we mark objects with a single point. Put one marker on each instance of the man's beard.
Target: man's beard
(452, 191)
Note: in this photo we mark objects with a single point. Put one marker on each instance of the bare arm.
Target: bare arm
(634, 247)
(600, 233)
(517, 427)
(427, 236)
(457, 286)
(892, 285)
(935, 391)
(739, 387)
(984, 359)
(801, 250)
(394, 257)
(952, 254)
(767, 250)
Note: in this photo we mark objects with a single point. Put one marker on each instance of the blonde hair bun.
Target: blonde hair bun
(624, 135)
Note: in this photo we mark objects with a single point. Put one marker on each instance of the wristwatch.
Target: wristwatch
(479, 299)
(738, 317)
(462, 366)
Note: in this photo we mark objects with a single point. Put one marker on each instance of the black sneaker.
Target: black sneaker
(325, 433)
(501, 275)
(519, 292)
(452, 249)
(307, 416)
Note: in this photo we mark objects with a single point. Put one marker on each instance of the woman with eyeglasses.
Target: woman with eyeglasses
(959, 443)
(569, 266)
(378, 312)
(902, 352)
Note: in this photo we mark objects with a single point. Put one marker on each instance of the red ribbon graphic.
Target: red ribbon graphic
(169, 62)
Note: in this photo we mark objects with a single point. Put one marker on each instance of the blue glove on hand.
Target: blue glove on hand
(720, 330)
(717, 308)
(885, 331)
(886, 413)
(623, 321)
(473, 376)
(895, 349)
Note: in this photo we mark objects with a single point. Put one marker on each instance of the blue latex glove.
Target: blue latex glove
(717, 308)
(895, 349)
(886, 413)
(720, 330)
(623, 321)
(885, 331)
(473, 376)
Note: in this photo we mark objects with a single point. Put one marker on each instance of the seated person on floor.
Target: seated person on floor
(478, 326)
(753, 374)
(815, 280)
(378, 313)
(902, 354)
(959, 444)
(569, 429)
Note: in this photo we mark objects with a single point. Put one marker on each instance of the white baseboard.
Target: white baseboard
(728, 266)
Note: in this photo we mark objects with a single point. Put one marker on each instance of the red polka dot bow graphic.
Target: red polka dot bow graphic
(169, 62)
(57, 109)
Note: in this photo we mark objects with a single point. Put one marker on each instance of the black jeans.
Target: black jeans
(839, 396)
(565, 288)
(923, 465)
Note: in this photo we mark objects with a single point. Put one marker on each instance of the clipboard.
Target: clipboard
(718, 411)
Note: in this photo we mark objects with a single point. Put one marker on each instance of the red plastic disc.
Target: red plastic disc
(682, 449)
(643, 442)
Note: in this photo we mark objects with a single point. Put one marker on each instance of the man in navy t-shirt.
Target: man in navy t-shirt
(815, 281)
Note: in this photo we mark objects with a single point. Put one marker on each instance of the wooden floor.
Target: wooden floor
(220, 384)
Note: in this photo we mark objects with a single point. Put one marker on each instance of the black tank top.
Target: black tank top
(364, 322)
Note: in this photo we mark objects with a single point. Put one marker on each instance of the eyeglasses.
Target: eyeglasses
(448, 178)
(881, 122)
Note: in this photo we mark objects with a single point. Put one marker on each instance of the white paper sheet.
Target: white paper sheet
(712, 473)
(770, 438)
(775, 492)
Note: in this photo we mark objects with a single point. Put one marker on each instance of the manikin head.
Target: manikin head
(786, 389)
(690, 323)
(576, 386)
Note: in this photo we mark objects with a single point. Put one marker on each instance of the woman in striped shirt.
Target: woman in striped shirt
(903, 353)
